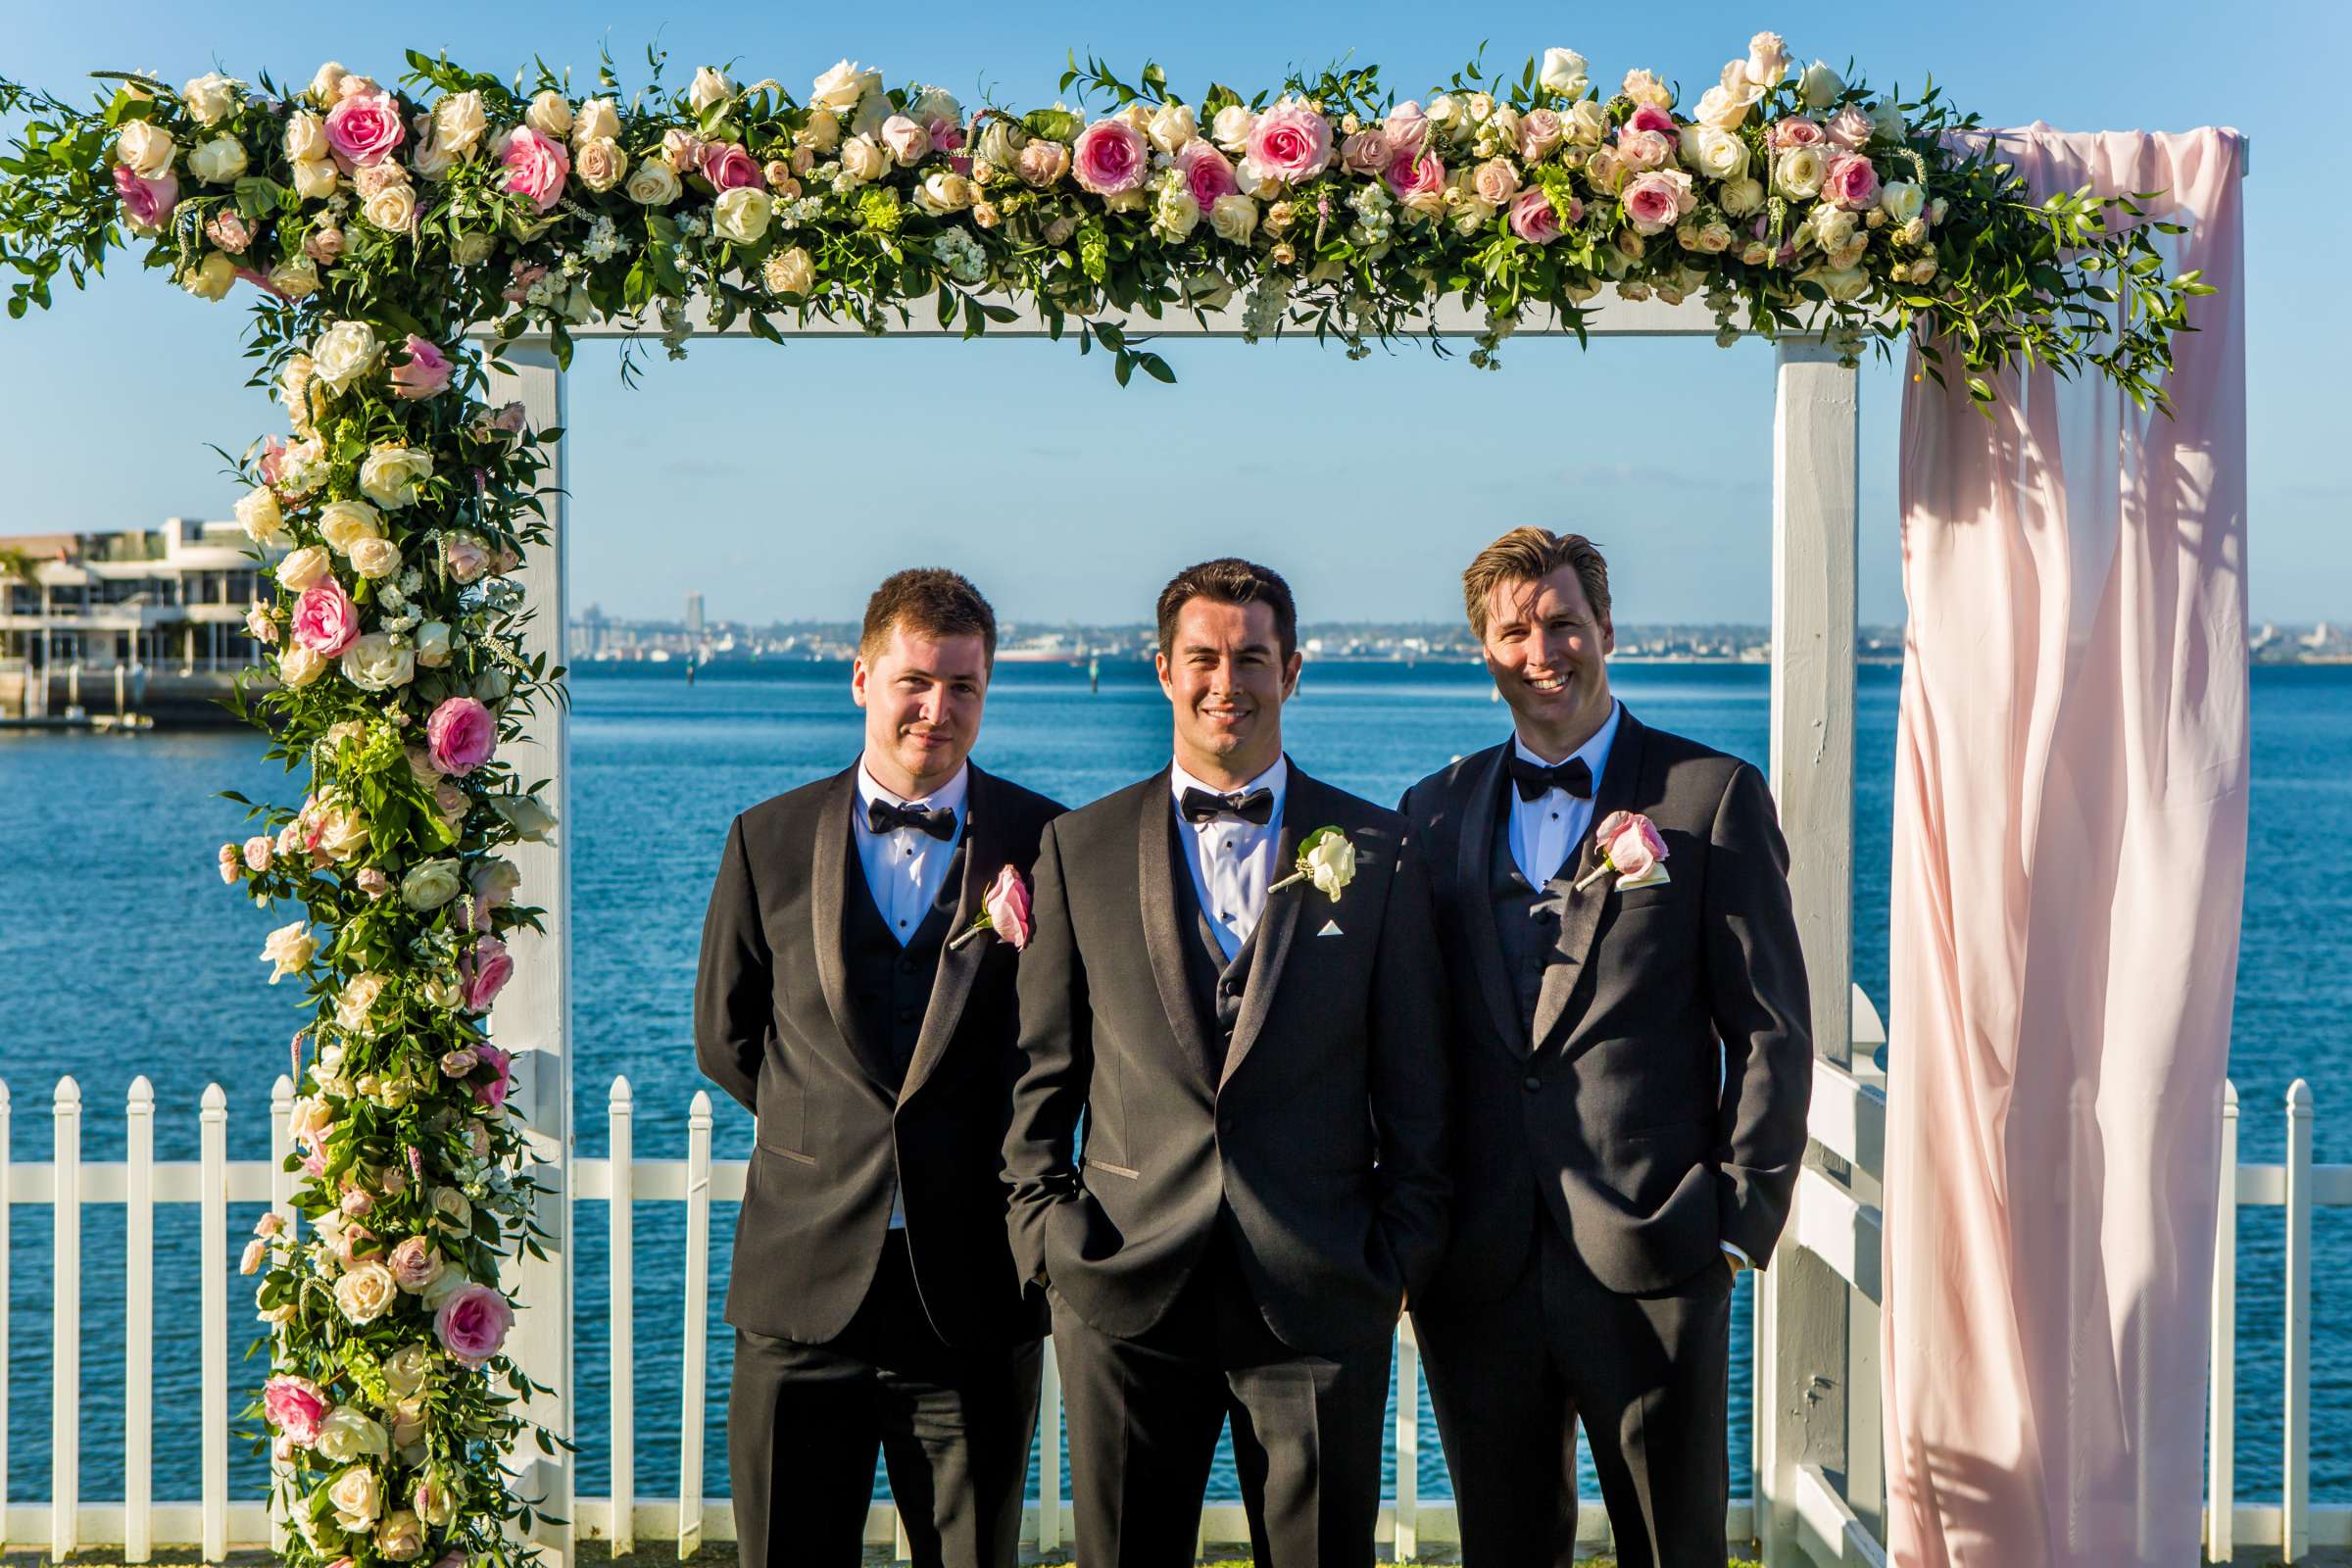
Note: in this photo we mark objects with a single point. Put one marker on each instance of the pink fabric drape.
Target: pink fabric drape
(2070, 833)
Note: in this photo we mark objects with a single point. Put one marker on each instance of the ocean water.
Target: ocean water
(121, 954)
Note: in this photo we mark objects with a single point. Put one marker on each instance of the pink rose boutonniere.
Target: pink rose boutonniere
(1005, 910)
(1630, 846)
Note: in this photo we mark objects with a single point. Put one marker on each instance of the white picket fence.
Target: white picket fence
(1848, 1119)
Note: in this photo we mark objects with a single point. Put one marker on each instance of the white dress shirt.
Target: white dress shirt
(1547, 832)
(1232, 861)
(904, 866)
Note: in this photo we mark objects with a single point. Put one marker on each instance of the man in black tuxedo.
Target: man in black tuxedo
(874, 1300)
(1630, 1069)
(1262, 1077)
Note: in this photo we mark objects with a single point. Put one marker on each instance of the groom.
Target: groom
(875, 1299)
(1631, 1066)
(1261, 1075)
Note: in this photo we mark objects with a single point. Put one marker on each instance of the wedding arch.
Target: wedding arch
(424, 259)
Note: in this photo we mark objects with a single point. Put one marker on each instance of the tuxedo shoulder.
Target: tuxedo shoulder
(780, 812)
(1022, 802)
(1681, 754)
(1438, 789)
(1114, 814)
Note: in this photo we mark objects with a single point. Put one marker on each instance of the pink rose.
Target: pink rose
(460, 736)
(1208, 172)
(229, 231)
(1007, 905)
(1415, 174)
(323, 245)
(1642, 150)
(365, 127)
(1406, 126)
(257, 853)
(147, 203)
(1540, 132)
(1850, 127)
(1653, 201)
(1794, 130)
(413, 1264)
(906, 139)
(228, 863)
(1852, 183)
(947, 136)
(502, 1081)
(426, 375)
(1042, 163)
(1649, 117)
(472, 1324)
(372, 882)
(1533, 218)
(1109, 157)
(484, 971)
(682, 150)
(727, 167)
(467, 558)
(536, 167)
(1368, 152)
(1630, 842)
(296, 1406)
(1292, 143)
(325, 621)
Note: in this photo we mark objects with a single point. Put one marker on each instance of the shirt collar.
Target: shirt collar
(950, 795)
(1276, 778)
(1595, 752)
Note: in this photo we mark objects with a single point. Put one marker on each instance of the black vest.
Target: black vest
(890, 986)
(1217, 984)
(1526, 918)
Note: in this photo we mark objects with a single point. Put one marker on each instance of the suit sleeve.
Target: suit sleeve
(1050, 1069)
(734, 986)
(1409, 1073)
(1762, 1009)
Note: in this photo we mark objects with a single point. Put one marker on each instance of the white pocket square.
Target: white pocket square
(1331, 928)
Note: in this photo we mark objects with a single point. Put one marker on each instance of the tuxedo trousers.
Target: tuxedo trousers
(953, 1426)
(1144, 1413)
(1648, 1377)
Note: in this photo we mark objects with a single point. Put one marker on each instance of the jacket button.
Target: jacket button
(1531, 1083)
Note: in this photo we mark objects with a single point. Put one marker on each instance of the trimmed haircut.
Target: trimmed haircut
(1230, 580)
(1529, 555)
(931, 601)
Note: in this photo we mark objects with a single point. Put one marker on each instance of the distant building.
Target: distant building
(694, 615)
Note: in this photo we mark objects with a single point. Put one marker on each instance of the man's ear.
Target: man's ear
(857, 674)
(1608, 637)
(1290, 676)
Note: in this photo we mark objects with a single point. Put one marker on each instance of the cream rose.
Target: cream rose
(218, 162)
(400, 1537)
(600, 163)
(1233, 218)
(406, 1370)
(708, 89)
(210, 99)
(1799, 172)
(460, 123)
(326, 85)
(1586, 124)
(316, 178)
(357, 1000)
(598, 120)
(210, 278)
(1565, 72)
(863, 160)
(392, 209)
(1901, 200)
(345, 351)
(1231, 129)
(839, 89)
(263, 520)
(288, 950)
(394, 476)
(356, 1496)
(429, 885)
(298, 666)
(147, 149)
(741, 215)
(1330, 864)
(1173, 126)
(343, 523)
(549, 115)
(791, 272)
(652, 184)
(366, 1291)
(1716, 154)
(432, 644)
(347, 1434)
(1819, 87)
(302, 568)
(376, 663)
(1741, 197)
(296, 277)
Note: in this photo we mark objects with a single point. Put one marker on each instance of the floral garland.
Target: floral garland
(382, 226)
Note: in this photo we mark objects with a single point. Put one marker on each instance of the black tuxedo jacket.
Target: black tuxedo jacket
(839, 1133)
(1323, 1133)
(1614, 1111)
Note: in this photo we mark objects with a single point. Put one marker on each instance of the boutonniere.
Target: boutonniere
(1327, 859)
(1005, 910)
(1630, 846)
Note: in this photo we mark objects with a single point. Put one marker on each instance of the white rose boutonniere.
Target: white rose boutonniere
(1327, 859)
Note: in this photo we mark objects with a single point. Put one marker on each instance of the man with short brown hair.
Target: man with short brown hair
(1632, 1055)
(875, 1297)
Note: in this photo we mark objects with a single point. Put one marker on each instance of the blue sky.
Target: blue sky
(783, 482)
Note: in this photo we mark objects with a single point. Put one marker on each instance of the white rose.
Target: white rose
(1232, 126)
(147, 149)
(375, 558)
(1767, 58)
(460, 123)
(392, 476)
(345, 351)
(944, 192)
(392, 209)
(549, 115)
(531, 820)
(400, 1537)
(289, 949)
(1886, 121)
(1799, 172)
(1177, 213)
(1819, 87)
(652, 184)
(298, 666)
(1445, 112)
(1331, 863)
(374, 663)
(406, 1370)
(435, 1504)
(1565, 72)
(210, 278)
(344, 523)
(296, 277)
(306, 136)
(367, 1292)
(264, 521)
(1833, 228)
(1233, 218)
(429, 885)
(211, 98)
(354, 1002)
(841, 88)
(1901, 200)
(820, 133)
(863, 160)
(356, 1496)
(1741, 197)
(600, 164)
(1716, 154)
(218, 162)
(1841, 283)
(316, 178)
(347, 1434)
(741, 215)
(791, 272)
(710, 86)
(1174, 127)
(432, 644)
(302, 568)
(327, 86)
(596, 121)
(449, 1206)
(1586, 124)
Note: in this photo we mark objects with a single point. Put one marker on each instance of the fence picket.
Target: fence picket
(213, 1303)
(2221, 1439)
(282, 1203)
(698, 1312)
(6, 1203)
(2294, 1527)
(1409, 1440)
(1048, 1454)
(620, 1228)
(65, 1333)
(138, 1324)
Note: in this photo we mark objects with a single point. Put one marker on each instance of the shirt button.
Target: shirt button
(1532, 1083)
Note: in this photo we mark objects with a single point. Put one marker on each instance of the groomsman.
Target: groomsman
(1631, 1066)
(1261, 1075)
(874, 1300)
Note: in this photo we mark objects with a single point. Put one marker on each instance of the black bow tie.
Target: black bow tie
(1533, 778)
(1255, 806)
(887, 816)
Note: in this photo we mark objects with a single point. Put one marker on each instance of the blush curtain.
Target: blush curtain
(2070, 834)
